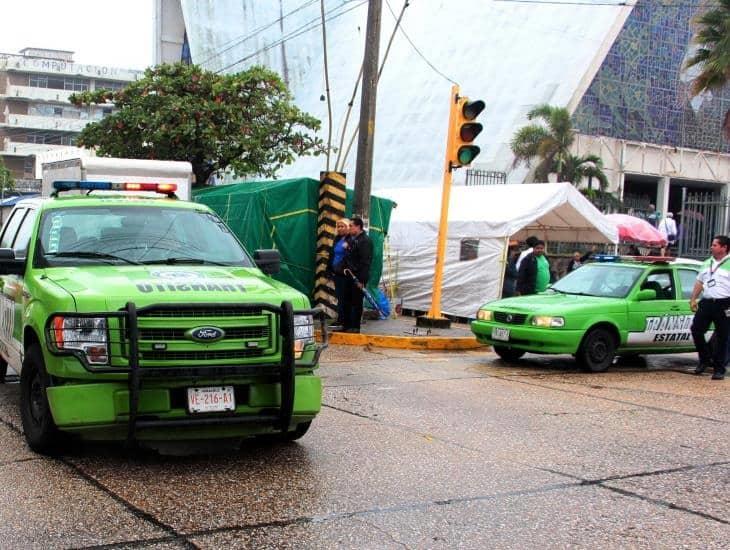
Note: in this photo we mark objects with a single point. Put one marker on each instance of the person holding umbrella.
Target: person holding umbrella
(357, 264)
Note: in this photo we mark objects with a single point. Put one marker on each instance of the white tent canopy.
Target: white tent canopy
(486, 217)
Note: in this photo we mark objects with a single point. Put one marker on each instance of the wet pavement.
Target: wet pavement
(413, 449)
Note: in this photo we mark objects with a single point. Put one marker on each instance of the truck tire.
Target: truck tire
(40, 431)
(597, 351)
(3, 370)
(508, 354)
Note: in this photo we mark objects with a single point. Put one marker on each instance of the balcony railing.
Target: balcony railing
(44, 123)
(32, 93)
(25, 149)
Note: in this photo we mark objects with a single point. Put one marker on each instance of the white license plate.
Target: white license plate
(500, 334)
(213, 399)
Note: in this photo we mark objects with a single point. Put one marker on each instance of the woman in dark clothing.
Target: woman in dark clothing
(510, 272)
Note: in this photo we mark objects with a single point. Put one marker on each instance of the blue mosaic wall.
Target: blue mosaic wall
(641, 92)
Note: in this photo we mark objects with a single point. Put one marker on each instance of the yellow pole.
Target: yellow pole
(435, 311)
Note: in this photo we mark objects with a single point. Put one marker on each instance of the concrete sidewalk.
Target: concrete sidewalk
(402, 333)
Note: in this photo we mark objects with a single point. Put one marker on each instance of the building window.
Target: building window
(469, 250)
(75, 84)
(38, 81)
(58, 111)
(109, 85)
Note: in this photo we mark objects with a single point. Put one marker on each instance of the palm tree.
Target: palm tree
(550, 142)
(713, 55)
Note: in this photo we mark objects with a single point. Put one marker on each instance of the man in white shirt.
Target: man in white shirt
(530, 242)
(668, 228)
(713, 282)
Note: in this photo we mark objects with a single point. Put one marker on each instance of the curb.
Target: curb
(405, 342)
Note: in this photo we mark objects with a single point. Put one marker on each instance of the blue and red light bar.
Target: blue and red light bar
(68, 185)
(622, 258)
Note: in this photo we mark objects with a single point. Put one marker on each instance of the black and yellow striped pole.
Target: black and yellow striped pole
(331, 207)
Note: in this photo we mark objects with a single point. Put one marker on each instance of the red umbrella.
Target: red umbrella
(635, 230)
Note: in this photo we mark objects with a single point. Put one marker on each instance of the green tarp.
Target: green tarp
(282, 214)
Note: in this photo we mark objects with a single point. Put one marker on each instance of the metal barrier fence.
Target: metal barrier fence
(703, 216)
(485, 177)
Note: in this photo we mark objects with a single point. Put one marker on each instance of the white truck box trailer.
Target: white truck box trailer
(119, 170)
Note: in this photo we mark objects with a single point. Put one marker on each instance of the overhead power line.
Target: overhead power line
(228, 46)
(310, 25)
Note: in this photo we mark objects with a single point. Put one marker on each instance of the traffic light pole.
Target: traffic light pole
(366, 134)
(434, 318)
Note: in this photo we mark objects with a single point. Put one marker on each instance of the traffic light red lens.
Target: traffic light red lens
(469, 131)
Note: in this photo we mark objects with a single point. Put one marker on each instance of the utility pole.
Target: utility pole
(366, 136)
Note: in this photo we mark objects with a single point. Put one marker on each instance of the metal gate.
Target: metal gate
(703, 216)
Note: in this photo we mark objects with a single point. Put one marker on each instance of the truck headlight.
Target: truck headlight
(548, 322)
(86, 334)
(484, 315)
(303, 333)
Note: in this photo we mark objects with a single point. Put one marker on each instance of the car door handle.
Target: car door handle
(675, 308)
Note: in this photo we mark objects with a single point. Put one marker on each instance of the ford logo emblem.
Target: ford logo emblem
(205, 334)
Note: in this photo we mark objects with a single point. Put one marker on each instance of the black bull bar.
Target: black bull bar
(282, 372)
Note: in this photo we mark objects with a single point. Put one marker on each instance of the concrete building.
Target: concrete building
(35, 113)
(617, 65)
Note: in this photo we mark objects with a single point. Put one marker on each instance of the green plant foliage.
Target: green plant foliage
(7, 182)
(245, 122)
(549, 142)
(713, 54)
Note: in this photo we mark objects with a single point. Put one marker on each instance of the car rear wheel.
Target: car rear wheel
(508, 354)
(597, 351)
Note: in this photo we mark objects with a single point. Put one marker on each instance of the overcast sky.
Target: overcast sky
(99, 32)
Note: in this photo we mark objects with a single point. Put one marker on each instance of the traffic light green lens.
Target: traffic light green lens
(468, 154)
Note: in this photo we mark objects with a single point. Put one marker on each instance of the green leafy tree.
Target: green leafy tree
(7, 182)
(549, 142)
(245, 122)
(713, 55)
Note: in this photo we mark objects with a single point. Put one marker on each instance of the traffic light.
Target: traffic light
(464, 130)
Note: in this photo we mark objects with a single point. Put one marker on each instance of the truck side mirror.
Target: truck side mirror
(268, 261)
(8, 264)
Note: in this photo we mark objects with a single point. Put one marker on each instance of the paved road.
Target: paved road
(412, 450)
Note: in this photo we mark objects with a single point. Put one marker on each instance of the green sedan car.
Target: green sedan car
(605, 308)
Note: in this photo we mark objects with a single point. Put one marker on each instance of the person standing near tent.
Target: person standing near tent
(534, 274)
(530, 242)
(668, 228)
(357, 266)
(336, 266)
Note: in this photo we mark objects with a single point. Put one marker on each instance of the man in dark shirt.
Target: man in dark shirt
(357, 263)
(534, 274)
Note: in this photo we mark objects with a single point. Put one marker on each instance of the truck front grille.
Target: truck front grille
(203, 355)
(232, 333)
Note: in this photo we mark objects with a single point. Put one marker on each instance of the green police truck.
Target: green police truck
(143, 318)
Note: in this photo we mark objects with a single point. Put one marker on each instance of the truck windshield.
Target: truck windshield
(103, 235)
(605, 280)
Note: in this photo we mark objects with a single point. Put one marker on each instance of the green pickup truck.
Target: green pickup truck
(143, 318)
(612, 307)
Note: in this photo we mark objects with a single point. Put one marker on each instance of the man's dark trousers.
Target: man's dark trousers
(711, 311)
(353, 305)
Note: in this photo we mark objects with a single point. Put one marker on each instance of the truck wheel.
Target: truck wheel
(508, 354)
(3, 370)
(40, 431)
(296, 433)
(597, 351)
